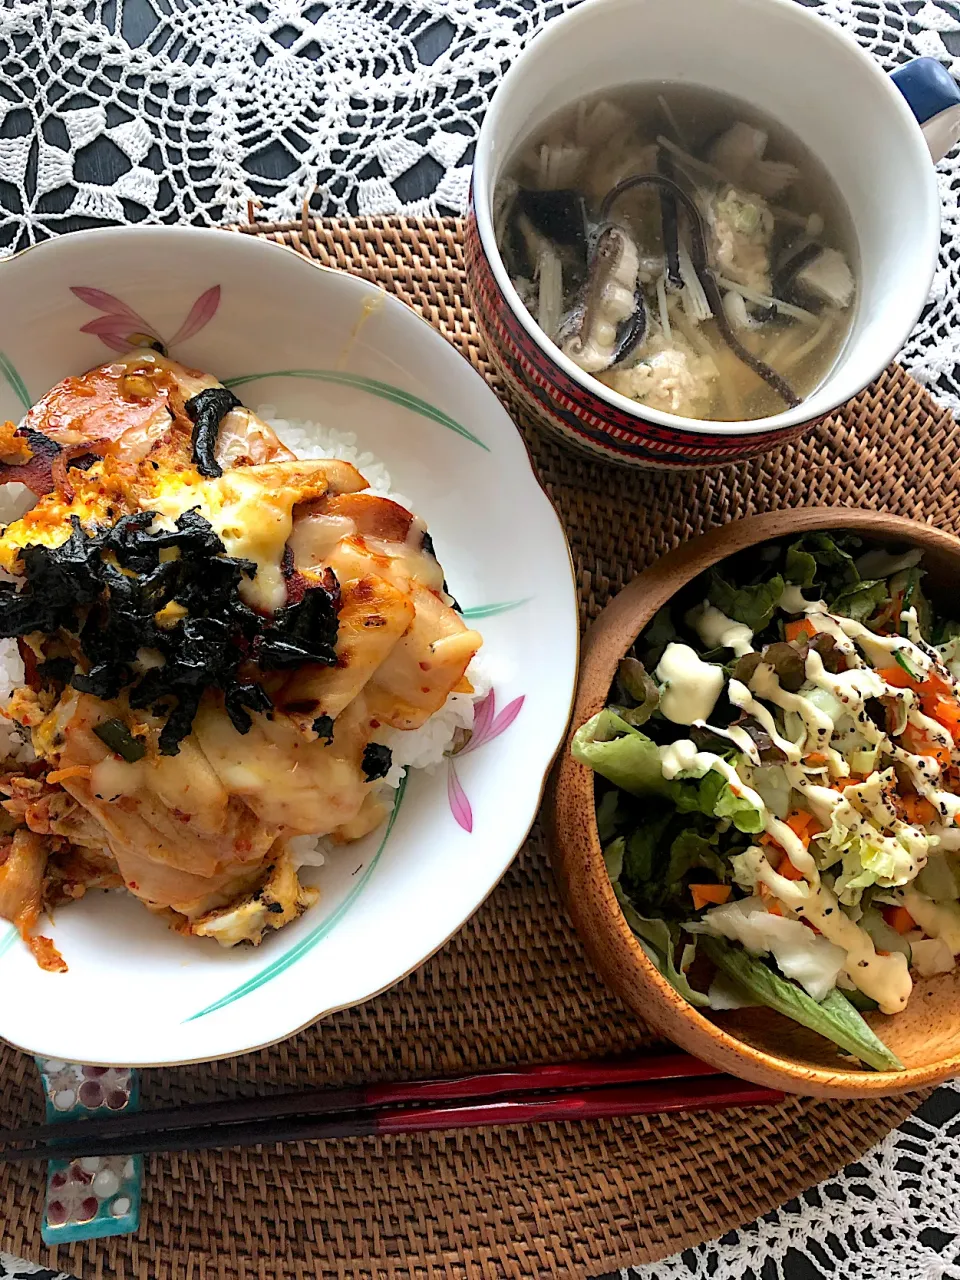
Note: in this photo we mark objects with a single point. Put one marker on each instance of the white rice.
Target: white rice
(423, 748)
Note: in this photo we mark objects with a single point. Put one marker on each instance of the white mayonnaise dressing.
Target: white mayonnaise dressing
(792, 601)
(885, 979)
(689, 687)
(741, 697)
(936, 919)
(880, 650)
(715, 629)
(739, 737)
(852, 687)
(818, 724)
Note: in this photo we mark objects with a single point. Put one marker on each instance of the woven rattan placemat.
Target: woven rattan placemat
(513, 986)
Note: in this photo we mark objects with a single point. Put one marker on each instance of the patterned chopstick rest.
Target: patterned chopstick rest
(98, 1195)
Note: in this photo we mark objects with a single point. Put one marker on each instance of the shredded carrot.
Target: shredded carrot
(788, 870)
(898, 918)
(74, 771)
(801, 627)
(838, 784)
(931, 683)
(704, 893)
(769, 899)
(815, 758)
(916, 740)
(918, 809)
(898, 678)
(804, 825)
(945, 711)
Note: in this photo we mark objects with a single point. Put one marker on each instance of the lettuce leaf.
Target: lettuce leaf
(753, 606)
(655, 637)
(607, 816)
(640, 693)
(818, 559)
(689, 851)
(744, 815)
(831, 564)
(862, 601)
(714, 796)
(659, 941)
(640, 852)
(800, 567)
(620, 753)
(834, 1017)
(630, 760)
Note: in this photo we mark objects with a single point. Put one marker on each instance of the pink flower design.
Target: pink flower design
(121, 328)
(487, 725)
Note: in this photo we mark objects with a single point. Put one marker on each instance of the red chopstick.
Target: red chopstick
(588, 1074)
(588, 1090)
(699, 1094)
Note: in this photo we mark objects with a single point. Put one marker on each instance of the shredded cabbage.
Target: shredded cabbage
(800, 953)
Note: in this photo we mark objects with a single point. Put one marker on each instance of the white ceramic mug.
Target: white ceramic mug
(789, 62)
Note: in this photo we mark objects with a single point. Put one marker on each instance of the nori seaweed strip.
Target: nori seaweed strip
(109, 587)
(427, 545)
(377, 760)
(180, 721)
(243, 698)
(206, 410)
(323, 728)
(698, 255)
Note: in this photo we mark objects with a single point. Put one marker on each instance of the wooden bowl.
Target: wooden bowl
(756, 1044)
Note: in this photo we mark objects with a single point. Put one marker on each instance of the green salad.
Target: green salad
(778, 790)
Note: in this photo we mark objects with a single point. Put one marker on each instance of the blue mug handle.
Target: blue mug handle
(934, 98)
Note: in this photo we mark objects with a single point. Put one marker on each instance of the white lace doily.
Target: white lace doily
(115, 111)
(894, 1215)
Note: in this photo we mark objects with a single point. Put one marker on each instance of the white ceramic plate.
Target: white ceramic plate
(319, 345)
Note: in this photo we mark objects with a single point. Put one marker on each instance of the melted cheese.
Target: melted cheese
(251, 509)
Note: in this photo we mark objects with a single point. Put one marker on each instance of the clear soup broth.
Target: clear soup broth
(683, 248)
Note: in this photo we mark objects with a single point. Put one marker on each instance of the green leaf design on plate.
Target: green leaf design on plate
(306, 944)
(16, 382)
(385, 390)
(7, 942)
(493, 610)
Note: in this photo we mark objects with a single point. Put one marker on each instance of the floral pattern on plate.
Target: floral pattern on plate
(487, 725)
(121, 328)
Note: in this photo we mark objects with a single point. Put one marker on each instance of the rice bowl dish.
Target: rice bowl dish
(200, 696)
(327, 345)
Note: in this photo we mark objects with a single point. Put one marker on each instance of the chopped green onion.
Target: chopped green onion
(115, 735)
